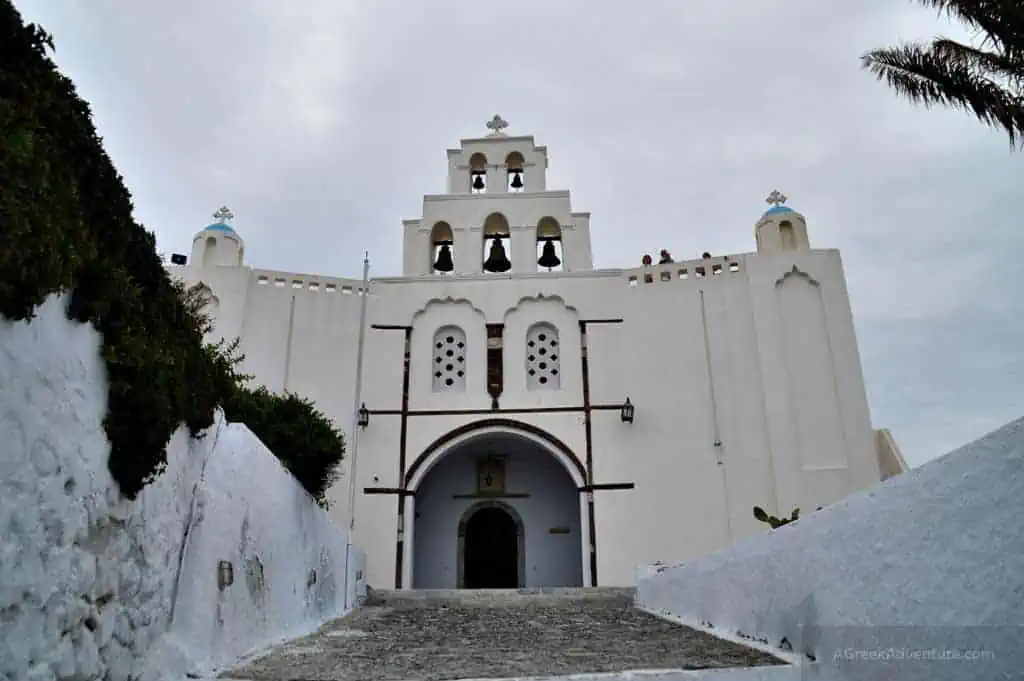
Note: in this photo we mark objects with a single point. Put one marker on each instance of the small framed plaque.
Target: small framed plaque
(490, 477)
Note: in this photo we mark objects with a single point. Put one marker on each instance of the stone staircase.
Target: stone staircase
(435, 635)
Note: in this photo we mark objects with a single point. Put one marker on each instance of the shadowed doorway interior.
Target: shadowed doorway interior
(491, 550)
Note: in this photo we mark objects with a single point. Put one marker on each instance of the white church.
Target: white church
(524, 419)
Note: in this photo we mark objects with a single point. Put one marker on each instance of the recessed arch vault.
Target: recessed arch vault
(465, 434)
(554, 522)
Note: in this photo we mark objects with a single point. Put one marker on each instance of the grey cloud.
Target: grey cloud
(322, 124)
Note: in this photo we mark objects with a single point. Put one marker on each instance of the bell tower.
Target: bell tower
(498, 216)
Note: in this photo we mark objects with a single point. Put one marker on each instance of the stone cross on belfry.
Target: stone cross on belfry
(497, 126)
(776, 198)
(223, 215)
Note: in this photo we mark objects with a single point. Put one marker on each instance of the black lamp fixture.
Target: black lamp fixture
(364, 416)
(627, 411)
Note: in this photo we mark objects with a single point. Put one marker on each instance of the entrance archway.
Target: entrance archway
(492, 542)
(468, 486)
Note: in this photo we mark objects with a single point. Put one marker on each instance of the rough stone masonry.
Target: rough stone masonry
(478, 634)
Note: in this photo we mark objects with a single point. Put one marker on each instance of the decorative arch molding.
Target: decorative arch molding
(447, 300)
(539, 298)
(800, 275)
(496, 225)
(464, 434)
(548, 228)
(520, 539)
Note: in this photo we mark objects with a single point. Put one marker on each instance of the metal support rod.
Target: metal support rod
(716, 434)
(354, 433)
(715, 425)
(357, 399)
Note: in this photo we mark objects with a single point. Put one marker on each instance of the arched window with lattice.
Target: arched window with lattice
(543, 364)
(449, 365)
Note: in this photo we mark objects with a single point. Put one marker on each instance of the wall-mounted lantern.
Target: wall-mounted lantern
(225, 574)
(364, 416)
(627, 411)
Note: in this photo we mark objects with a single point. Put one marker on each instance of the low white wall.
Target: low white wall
(287, 558)
(89, 581)
(920, 577)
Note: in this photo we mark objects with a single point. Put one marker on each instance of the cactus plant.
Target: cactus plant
(772, 521)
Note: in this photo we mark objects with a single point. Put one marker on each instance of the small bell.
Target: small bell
(444, 259)
(517, 179)
(548, 258)
(478, 181)
(497, 261)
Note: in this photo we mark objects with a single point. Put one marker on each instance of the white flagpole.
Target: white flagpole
(354, 431)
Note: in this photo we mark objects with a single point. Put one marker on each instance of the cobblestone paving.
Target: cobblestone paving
(458, 639)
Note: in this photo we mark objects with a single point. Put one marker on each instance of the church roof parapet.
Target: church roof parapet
(309, 282)
(688, 269)
(697, 269)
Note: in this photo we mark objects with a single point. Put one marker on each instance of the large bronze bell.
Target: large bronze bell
(444, 259)
(517, 179)
(478, 181)
(548, 258)
(497, 261)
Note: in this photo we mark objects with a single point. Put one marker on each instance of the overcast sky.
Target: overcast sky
(322, 123)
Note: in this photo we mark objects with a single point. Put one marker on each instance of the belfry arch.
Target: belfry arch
(497, 236)
(550, 253)
(515, 166)
(477, 173)
(495, 504)
(442, 245)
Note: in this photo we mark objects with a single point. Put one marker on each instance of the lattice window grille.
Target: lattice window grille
(449, 360)
(543, 364)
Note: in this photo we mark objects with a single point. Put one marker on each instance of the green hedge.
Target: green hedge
(299, 435)
(66, 225)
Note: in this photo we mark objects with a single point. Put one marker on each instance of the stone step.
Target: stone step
(441, 635)
(428, 597)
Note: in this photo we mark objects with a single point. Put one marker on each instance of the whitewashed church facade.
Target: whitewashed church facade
(497, 448)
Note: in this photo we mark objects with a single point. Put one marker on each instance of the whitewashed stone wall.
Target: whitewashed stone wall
(88, 581)
(919, 578)
(287, 557)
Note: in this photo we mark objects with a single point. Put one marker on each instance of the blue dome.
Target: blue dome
(774, 210)
(220, 227)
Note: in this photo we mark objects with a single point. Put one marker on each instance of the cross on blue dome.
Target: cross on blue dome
(221, 225)
(777, 198)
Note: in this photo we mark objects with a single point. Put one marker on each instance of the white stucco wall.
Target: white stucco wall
(928, 564)
(89, 582)
(288, 559)
(743, 369)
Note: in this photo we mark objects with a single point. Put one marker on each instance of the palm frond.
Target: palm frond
(980, 61)
(1000, 21)
(925, 77)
